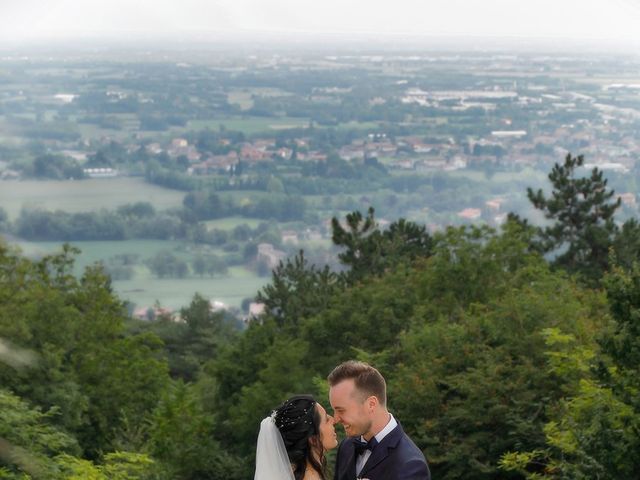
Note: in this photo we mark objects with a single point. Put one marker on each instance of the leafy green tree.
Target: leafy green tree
(191, 343)
(28, 441)
(593, 431)
(88, 370)
(283, 372)
(368, 317)
(56, 167)
(298, 290)
(215, 265)
(626, 245)
(32, 448)
(38, 315)
(275, 185)
(206, 205)
(199, 265)
(116, 466)
(137, 210)
(476, 387)
(182, 439)
(123, 382)
(206, 331)
(237, 366)
(485, 289)
(166, 264)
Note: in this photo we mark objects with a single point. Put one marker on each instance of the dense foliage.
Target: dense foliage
(501, 363)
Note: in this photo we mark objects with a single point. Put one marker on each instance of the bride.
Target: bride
(292, 441)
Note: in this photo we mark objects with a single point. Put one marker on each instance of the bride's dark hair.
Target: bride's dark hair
(299, 423)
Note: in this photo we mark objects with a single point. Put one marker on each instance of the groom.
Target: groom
(377, 447)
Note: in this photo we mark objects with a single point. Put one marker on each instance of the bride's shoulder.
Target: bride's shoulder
(311, 474)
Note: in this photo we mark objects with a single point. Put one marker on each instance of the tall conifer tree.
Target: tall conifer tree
(581, 210)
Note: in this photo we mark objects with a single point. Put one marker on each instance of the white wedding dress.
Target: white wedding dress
(272, 461)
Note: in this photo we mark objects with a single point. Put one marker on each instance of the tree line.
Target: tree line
(141, 221)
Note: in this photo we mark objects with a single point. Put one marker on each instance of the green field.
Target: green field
(92, 252)
(230, 289)
(92, 132)
(249, 125)
(229, 223)
(357, 125)
(84, 195)
(241, 98)
(526, 174)
(144, 289)
(129, 123)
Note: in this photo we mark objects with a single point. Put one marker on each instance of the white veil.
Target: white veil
(272, 461)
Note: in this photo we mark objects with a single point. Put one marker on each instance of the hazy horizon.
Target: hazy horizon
(316, 43)
(461, 24)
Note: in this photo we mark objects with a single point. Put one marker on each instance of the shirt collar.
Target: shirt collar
(391, 424)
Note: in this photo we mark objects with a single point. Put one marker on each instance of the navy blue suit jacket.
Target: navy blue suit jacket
(396, 457)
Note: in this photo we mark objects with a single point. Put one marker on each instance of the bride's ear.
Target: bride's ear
(315, 442)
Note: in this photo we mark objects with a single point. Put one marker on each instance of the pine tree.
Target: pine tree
(581, 210)
(370, 251)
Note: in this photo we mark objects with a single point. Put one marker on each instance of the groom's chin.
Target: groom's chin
(349, 431)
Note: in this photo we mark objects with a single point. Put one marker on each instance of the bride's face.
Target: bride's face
(328, 436)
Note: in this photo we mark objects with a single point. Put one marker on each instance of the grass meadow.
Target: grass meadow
(229, 223)
(84, 195)
(526, 174)
(249, 125)
(231, 289)
(243, 97)
(144, 289)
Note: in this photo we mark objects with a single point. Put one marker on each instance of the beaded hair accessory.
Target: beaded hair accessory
(290, 414)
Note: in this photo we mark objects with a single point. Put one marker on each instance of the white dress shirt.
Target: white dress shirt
(364, 456)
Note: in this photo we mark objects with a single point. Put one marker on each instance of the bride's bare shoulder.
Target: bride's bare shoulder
(311, 474)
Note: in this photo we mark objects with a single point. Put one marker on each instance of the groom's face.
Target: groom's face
(349, 408)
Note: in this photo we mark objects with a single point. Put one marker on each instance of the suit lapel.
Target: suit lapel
(382, 450)
(349, 461)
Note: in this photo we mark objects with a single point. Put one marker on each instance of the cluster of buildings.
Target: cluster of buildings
(595, 129)
(156, 312)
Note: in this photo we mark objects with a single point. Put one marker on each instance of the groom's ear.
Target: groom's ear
(372, 403)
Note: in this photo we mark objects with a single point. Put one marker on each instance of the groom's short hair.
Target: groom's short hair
(366, 379)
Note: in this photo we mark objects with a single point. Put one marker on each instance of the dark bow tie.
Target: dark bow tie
(362, 446)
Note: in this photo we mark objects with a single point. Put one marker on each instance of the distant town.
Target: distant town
(230, 164)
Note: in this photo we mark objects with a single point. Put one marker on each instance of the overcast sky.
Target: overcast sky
(35, 20)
